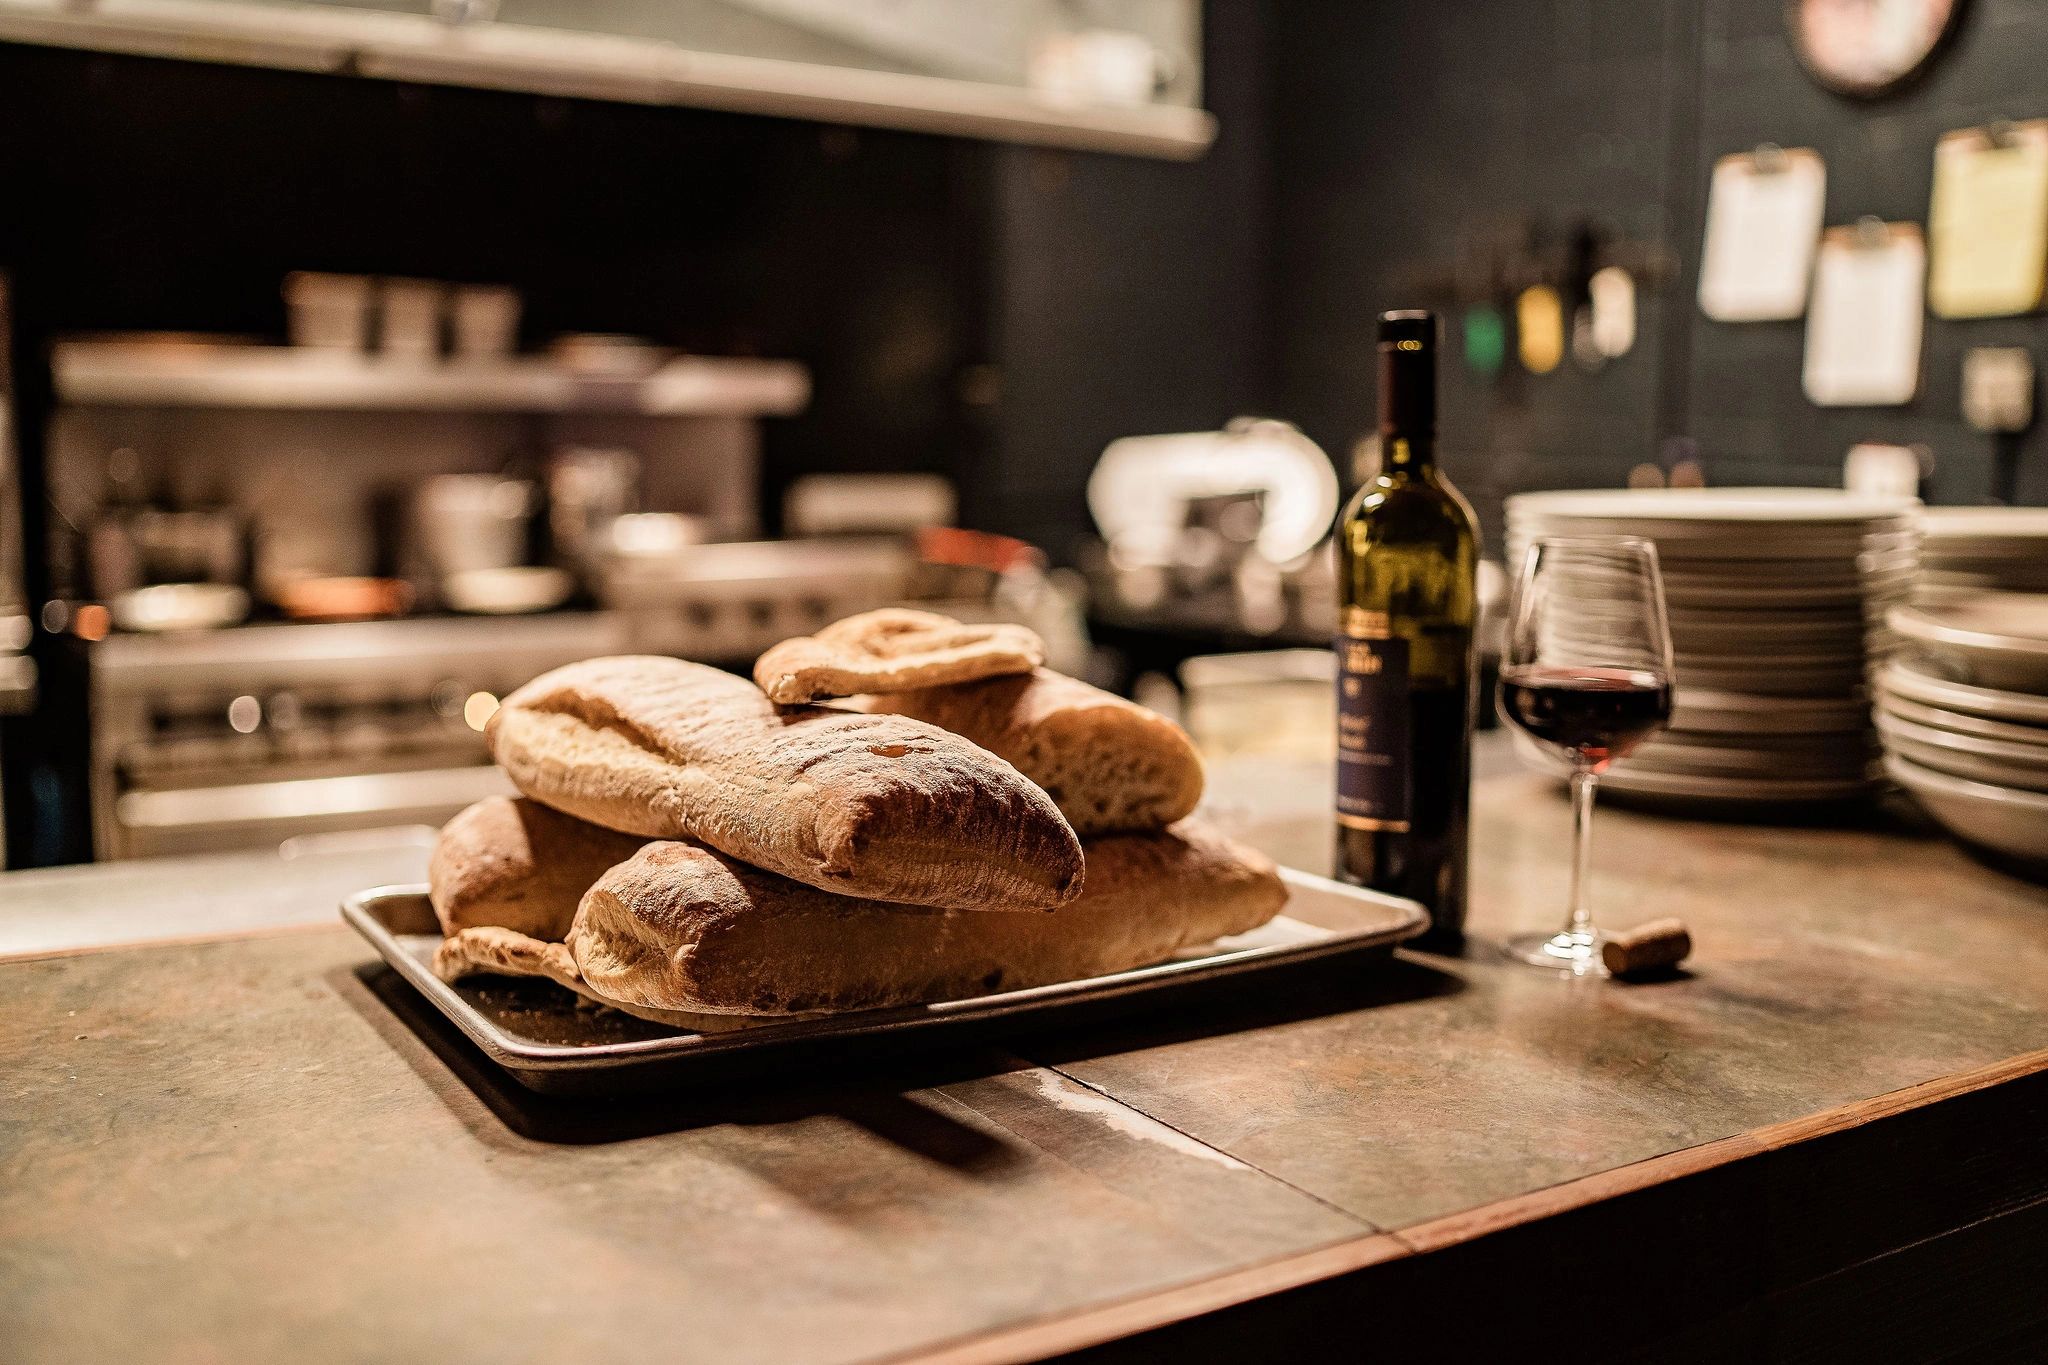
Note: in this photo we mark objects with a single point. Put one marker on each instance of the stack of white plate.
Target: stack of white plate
(1967, 550)
(1964, 714)
(1777, 599)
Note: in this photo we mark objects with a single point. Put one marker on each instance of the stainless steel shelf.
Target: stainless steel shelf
(117, 373)
(414, 47)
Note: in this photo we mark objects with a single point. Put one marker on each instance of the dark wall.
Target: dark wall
(1401, 131)
(1745, 403)
(1130, 296)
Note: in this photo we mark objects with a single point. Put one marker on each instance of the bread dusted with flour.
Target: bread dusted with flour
(680, 927)
(873, 806)
(889, 650)
(1109, 764)
(517, 864)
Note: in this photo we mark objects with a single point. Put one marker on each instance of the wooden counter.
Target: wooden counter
(1832, 1138)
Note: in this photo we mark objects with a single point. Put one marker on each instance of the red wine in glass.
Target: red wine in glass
(1590, 715)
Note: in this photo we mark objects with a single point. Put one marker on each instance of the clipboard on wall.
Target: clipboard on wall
(1863, 331)
(1764, 214)
(1988, 221)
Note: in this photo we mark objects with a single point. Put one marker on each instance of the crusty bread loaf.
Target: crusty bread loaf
(681, 927)
(883, 807)
(490, 950)
(892, 649)
(1109, 764)
(520, 865)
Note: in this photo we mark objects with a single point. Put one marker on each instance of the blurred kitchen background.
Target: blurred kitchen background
(364, 360)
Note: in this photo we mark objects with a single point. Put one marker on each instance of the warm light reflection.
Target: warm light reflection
(478, 710)
(245, 713)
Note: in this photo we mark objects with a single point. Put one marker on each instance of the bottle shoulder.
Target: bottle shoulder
(1412, 499)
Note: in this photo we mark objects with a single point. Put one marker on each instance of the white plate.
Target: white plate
(1958, 696)
(1699, 786)
(1693, 507)
(1940, 719)
(1974, 526)
(1811, 684)
(166, 607)
(1688, 760)
(1990, 816)
(1701, 708)
(1998, 640)
(507, 592)
(1947, 755)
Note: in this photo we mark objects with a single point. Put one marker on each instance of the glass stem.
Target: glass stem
(1581, 922)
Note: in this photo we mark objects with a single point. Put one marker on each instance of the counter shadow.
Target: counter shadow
(869, 1082)
(878, 1098)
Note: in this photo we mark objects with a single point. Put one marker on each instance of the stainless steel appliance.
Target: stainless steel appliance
(249, 736)
(244, 738)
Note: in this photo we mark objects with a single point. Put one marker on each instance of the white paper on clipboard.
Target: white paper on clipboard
(1863, 335)
(1764, 213)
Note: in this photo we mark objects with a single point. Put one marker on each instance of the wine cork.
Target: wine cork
(1657, 946)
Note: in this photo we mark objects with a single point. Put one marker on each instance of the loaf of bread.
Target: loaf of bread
(681, 927)
(882, 807)
(491, 950)
(892, 649)
(519, 865)
(1109, 764)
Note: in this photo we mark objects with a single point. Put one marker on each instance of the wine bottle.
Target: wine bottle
(1407, 563)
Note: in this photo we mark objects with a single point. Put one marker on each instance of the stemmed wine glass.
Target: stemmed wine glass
(1587, 674)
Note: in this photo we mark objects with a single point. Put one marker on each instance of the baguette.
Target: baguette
(890, 650)
(492, 950)
(882, 807)
(519, 865)
(1109, 764)
(681, 927)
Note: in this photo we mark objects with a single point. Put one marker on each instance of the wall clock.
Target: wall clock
(1867, 48)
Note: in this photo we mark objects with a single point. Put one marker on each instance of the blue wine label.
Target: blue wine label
(1373, 773)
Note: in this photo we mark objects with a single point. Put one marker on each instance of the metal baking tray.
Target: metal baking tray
(552, 1042)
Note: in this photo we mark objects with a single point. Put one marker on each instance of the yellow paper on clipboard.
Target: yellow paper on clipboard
(1988, 225)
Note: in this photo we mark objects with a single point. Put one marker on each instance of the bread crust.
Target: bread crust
(880, 807)
(515, 863)
(892, 649)
(1109, 764)
(682, 927)
(492, 950)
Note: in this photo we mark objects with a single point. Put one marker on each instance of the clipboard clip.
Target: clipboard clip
(1872, 232)
(2000, 134)
(1767, 158)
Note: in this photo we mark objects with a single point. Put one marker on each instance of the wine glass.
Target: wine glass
(1587, 674)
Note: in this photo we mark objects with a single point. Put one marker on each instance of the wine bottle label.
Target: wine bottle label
(1373, 775)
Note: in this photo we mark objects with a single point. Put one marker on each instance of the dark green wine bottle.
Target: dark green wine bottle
(1407, 561)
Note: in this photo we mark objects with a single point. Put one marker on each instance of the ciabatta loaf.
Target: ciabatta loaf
(519, 865)
(1109, 764)
(491, 950)
(892, 649)
(681, 927)
(882, 807)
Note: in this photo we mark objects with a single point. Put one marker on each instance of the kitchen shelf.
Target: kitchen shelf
(505, 56)
(118, 373)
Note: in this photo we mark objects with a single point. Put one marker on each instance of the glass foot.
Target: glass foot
(1578, 954)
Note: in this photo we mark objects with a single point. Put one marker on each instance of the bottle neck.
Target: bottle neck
(1407, 407)
(1407, 452)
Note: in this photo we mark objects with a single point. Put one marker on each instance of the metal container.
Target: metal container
(473, 521)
